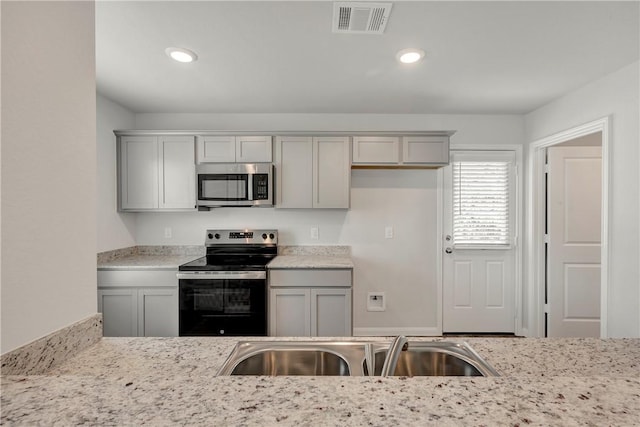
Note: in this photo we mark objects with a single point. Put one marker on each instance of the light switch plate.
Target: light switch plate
(314, 233)
(388, 232)
(167, 232)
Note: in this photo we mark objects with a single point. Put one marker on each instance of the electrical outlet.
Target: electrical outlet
(388, 232)
(314, 233)
(167, 232)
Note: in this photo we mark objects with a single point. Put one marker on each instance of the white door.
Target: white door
(574, 205)
(479, 226)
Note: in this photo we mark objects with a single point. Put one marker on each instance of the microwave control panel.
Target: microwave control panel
(261, 186)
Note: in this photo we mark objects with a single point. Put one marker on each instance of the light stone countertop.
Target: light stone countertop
(311, 262)
(170, 257)
(171, 381)
(142, 262)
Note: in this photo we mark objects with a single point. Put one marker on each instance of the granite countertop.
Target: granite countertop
(171, 381)
(148, 257)
(170, 257)
(143, 262)
(310, 261)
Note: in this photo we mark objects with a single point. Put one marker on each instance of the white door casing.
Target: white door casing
(574, 206)
(479, 282)
(535, 230)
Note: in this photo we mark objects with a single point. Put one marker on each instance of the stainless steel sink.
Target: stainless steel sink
(342, 358)
(349, 358)
(437, 358)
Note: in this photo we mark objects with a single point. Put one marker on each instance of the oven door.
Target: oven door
(223, 303)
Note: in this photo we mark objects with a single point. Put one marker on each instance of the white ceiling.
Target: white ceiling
(282, 57)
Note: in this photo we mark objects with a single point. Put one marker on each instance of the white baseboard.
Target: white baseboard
(407, 331)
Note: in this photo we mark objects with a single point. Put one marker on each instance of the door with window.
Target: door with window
(480, 254)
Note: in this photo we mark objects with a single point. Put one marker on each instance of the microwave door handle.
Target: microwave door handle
(250, 185)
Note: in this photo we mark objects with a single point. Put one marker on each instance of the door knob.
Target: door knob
(448, 250)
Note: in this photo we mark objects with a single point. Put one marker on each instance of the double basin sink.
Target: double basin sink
(355, 358)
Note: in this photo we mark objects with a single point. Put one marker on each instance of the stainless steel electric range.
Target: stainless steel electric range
(225, 292)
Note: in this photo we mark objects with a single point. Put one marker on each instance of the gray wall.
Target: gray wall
(617, 96)
(48, 168)
(115, 230)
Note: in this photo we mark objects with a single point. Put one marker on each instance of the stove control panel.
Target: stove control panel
(249, 237)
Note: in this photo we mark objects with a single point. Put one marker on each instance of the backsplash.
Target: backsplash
(39, 356)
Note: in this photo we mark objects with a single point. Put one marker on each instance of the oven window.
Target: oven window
(229, 301)
(223, 186)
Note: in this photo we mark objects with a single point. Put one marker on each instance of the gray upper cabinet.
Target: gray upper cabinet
(294, 178)
(432, 150)
(312, 172)
(376, 150)
(234, 149)
(415, 150)
(331, 172)
(156, 173)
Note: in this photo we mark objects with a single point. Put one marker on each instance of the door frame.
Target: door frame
(517, 294)
(536, 215)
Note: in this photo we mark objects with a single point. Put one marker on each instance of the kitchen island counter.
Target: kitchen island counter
(167, 381)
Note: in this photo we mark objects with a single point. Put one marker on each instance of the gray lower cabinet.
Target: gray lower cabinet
(138, 303)
(310, 303)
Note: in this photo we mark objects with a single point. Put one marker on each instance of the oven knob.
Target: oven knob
(271, 236)
(217, 236)
(221, 331)
(264, 236)
(210, 236)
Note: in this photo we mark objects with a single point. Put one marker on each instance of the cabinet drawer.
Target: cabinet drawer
(137, 278)
(312, 278)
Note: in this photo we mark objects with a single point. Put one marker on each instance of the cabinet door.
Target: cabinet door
(158, 312)
(119, 308)
(425, 150)
(216, 149)
(294, 178)
(177, 173)
(331, 172)
(331, 312)
(253, 149)
(376, 150)
(289, 312)
(138, 172)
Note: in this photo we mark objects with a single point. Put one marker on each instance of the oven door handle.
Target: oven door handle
(228, 275)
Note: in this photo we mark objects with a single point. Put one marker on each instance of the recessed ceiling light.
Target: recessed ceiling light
(410, 55)
(181, 55)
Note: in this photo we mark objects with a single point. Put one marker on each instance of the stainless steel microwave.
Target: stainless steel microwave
(234, 184)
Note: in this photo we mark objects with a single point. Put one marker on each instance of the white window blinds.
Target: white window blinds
(482, 200)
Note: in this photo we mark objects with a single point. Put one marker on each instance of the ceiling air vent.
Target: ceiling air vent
(360, 18)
